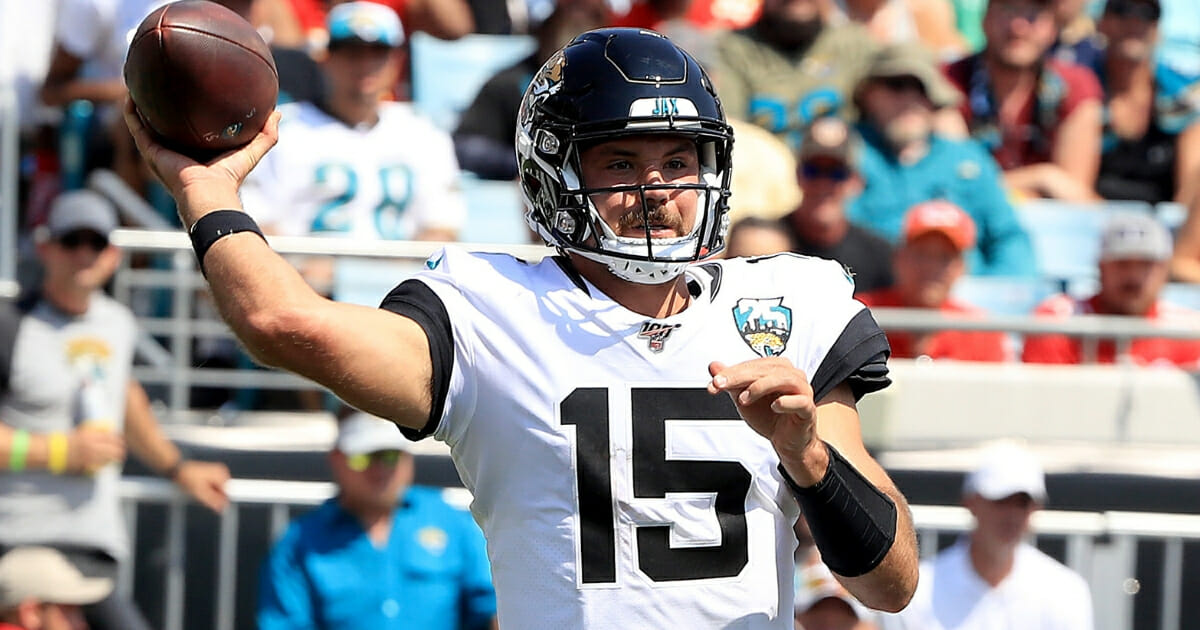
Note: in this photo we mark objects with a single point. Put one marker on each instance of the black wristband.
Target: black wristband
(852, 522)
(215, 226)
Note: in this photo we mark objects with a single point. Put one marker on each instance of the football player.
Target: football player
(639, 432)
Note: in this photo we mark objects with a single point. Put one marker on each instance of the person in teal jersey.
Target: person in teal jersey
(903, 162)
(382, 553)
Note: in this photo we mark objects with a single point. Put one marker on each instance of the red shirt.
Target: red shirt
(961, 345)
(717, 14)
(1063, 349)
(1065, 86)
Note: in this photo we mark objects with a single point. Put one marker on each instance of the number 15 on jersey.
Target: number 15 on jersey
(688, 512)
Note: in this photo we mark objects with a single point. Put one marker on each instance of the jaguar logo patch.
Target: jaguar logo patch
(764, 323)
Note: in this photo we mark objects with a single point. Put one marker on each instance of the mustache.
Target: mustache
(658, 215)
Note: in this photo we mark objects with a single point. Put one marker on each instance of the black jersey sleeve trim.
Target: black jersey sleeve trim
(858, 358)
(416, 301)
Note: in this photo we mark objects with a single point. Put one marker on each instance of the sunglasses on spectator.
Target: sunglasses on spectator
(902, 84)
(74, 240)
(1132, 8)
(831, 171)
(362, 461)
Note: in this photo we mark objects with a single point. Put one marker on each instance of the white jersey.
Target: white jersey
(1039, 594)
(391, 180)
(99, 32)
(614, 491)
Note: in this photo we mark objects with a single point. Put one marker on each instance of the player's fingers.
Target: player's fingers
(773, 384)
(239, 163)
(799, 404)
(742, 375)
(714, 368)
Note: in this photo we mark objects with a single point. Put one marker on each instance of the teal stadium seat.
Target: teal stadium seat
(1000, 295)
(495, 212)
(1066, 236)
(446, 75)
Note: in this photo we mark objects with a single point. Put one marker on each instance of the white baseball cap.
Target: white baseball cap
(1005, 469)
(1135, 236)
(363, 433)
(44, 574)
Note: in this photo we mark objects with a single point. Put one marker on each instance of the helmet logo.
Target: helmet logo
(764, 323)
(549, 79)
(547, 142)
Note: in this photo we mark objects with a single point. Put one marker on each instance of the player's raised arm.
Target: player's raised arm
(859, 519)
(269, 306)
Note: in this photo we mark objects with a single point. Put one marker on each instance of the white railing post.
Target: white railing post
(227, 568)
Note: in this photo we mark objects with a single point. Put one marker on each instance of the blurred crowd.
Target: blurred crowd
(906, 139)
(903, 138)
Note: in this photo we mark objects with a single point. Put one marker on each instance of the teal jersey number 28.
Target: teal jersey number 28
(337, 213)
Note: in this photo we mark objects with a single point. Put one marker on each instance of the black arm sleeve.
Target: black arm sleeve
(858, 357)
(416, 301)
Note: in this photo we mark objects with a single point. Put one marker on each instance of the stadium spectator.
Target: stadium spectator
(483, 141)
(790, 68)
(1134, 253)
(756, 236)
(710, 15)
(69, 408)
(828, 177)
(821, 602)
(85, 78)
(339, 169)
(1077, 41)
(968, 21)
(383, 553)
(927, 264)
(445, 19)
(1039, 116)
(1151, 124)
(905, 161)
(930, 22)
(764, 174)
(41, 590)
(535, 373)
(992, 577)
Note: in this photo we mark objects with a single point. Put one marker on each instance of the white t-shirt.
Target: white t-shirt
(99, 31)
(388, 181)
(1039, 594)
(615, 492)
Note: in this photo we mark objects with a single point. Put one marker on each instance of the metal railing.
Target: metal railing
(181, 326)
(1086, 533)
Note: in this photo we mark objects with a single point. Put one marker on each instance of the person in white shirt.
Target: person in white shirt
(993, 579)
(357, 165)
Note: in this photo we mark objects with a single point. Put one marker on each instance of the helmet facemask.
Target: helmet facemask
(646, 259)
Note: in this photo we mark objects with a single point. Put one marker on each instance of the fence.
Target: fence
(180, 325)
(1102, 546)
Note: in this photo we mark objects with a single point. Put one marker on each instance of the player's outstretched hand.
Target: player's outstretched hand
(775, 399)
(201, 186)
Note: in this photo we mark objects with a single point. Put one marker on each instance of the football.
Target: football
(201, 77)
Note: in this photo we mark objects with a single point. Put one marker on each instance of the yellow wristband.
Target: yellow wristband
(56, 457)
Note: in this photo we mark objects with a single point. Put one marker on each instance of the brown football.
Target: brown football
(201, 77)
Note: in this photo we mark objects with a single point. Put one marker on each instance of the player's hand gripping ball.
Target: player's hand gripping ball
(202, 78)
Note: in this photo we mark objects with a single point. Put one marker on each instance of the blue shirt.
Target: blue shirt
(326, 573)
(959, 171)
